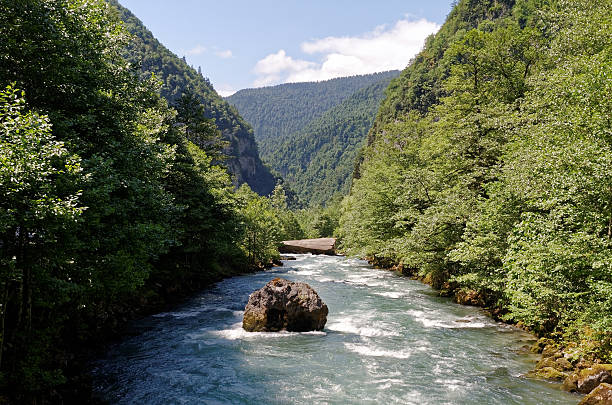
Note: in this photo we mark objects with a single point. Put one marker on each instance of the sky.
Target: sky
(252, 43)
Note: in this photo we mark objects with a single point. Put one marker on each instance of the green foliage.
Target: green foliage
(197, 128)
(420, 85)
(111, 200)
(290, 228)
(310, 133)
(492, 168)
(266, 221)
(276, 112)
(262, 227)
(321, 222)
(317, 160)
(178, 79)
(38, 210)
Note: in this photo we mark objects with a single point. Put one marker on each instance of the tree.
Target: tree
(191, 116)
(39, 181)
(262, 227)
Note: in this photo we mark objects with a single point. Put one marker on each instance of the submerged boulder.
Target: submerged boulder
(284, 305)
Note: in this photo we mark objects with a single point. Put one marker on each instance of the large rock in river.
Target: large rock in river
(320, 246)
(284, 305)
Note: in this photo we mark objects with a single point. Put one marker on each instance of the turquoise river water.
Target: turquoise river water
(388, 340)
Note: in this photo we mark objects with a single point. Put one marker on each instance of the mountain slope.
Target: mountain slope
(277, 111)
(318, 160)
(177, 77)
(488, 169)
(420, 85)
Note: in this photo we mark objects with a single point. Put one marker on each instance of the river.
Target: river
(388, 340)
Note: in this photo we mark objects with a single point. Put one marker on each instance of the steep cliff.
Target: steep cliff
(152, 57)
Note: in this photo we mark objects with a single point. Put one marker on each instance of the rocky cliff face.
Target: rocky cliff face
(147, 53)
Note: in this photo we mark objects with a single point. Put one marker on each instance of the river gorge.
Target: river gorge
(388, 340)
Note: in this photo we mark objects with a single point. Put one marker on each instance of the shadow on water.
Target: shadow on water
(387, 340)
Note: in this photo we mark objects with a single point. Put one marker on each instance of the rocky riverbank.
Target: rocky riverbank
(565, 364)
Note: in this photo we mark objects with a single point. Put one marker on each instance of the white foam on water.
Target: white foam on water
(373, 352)
(453, 385)
(314, 333)
(386, 383)
(349, 325)
(365, 279)
(308, 266)
(237, 333)
(330, 259)
(303, 272)
(391, 294)
(429, 320)
(349, 263)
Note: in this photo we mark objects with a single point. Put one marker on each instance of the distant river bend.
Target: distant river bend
(388, 340)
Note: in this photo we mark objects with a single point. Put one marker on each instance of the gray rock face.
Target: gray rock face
(284, 305)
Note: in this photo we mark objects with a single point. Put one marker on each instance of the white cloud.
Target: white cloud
(384, 48)
(197, 50)
(273, 67)
(225, 90)
(226, 54)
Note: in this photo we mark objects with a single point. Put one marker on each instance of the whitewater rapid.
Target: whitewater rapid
(388, 340)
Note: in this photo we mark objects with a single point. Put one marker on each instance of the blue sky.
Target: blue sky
(240, 43)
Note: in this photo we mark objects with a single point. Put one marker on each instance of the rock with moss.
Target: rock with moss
(540, 345)
(587, 379)
(547, 373)
(563, 364)
(284, 305)
(466, 296)
(602, 395)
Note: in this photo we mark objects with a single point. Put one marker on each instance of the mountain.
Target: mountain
(277, 111)
(488, 169)
(420, 84)
(311, 133)
(317, 161)
(177, 77)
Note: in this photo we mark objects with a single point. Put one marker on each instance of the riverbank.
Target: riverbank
(562, 362)
(110, 326)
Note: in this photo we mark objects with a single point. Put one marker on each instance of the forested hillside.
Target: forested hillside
(276, 112)
(113, 203)
(317, 161)
(489, 167)
(310, 133)
(177, 77)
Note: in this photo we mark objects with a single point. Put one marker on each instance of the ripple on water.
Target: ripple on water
(367, 350)
(388, 340)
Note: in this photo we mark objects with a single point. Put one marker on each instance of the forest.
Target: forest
(177, 78)
(115, 200)
(311, 133)
(488, 169)
(128, 183)
(276, 112)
